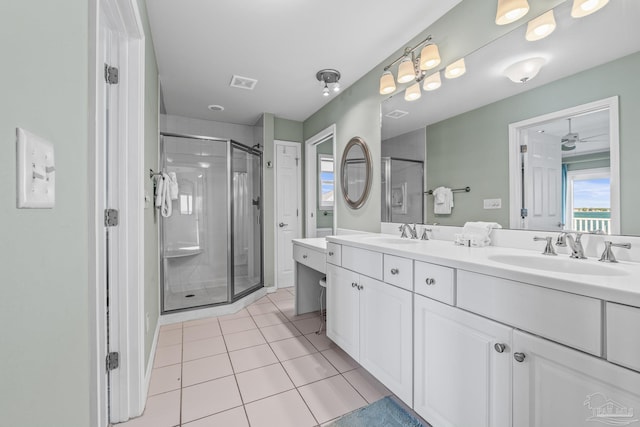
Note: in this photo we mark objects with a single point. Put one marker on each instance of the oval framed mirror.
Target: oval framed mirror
(356, 172)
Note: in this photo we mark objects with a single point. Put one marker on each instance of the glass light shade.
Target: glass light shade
(387, 83)
(406, 72)
(511, 10)
(412, 92)
(456, 69)
(325, 91)
(586, 7)
(432, 82)
(524, 71)
(541, 26)
(429, 57)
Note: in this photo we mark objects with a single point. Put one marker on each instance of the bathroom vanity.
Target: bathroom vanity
(490, 337)
(310, 265)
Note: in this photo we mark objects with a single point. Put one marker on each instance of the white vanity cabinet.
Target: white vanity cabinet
(462, 367)
(372, 322)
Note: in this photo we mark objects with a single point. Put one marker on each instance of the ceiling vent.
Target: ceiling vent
(243, 82)
(396, 114)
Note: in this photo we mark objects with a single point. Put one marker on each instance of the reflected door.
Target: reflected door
(542, 182)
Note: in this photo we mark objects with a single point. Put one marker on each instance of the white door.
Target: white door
(343, 320)
(287, 209)
(386, 342)
(543, 182)
(461, 377)
(558, 386)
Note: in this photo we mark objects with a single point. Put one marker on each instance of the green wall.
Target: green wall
(472, 148)
(44, 309)
(287, 130)
(356, 111)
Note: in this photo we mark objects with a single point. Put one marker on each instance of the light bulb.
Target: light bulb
(325, 91)
(456, 69)
(429, 57)
(412, 92)
(586, 7)
(541, 26)
(432, 82)
(387, 84)
(511, 10)
(406, 72)
(336, 87)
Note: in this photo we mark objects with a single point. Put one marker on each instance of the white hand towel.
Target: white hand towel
(442, 201)
(173, 186)
(166, 205)
(479, 231)
(159, 187)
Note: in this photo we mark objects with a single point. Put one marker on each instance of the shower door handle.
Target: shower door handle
(282, 224)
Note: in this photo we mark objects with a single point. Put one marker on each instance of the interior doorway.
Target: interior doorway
(321, 183)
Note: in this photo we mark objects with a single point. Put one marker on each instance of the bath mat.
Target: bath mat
(383, 413)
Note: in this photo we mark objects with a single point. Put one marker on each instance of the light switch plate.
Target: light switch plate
(492, 203)
(36, 171)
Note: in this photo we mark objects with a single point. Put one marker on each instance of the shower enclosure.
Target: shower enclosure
(402, 191)
(211, 244)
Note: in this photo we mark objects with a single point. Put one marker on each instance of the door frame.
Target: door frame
(280, 143)
(128, 388)
(517, 136)
(311, 179)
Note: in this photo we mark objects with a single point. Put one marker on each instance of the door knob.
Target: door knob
(519, 357)
(282, 224)
(499, 347)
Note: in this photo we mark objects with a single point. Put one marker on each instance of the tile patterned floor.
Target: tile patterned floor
(260, 367)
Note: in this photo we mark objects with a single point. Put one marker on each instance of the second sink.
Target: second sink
(559, 265)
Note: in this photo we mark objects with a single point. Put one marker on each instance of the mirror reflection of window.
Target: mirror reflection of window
(186, 204)
(326, 182)
(589, 200)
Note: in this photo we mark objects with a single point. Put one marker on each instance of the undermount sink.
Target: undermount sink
(392, 240)
(559, 264)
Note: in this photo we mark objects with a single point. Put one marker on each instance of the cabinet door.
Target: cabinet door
(385, 335)
(558, 386)
(461, 380)
(343, 321)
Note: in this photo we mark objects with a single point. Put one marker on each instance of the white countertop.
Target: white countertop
(624, 289)
(315, 243)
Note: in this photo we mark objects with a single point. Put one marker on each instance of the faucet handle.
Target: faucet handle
(548, 249)
(607, 254)
(425, 236)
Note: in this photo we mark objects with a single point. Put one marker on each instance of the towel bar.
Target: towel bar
(455, 190)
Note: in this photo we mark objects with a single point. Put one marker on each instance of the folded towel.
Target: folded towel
(173, 186)
(163, 196)
(442, 200)
(476, 233)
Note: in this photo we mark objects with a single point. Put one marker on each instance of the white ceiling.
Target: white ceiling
(201, 44)
(576, 45)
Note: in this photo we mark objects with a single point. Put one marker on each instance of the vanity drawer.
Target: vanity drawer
(398, 271)
(310, 258)
(362, 261)
(569, 319)
(623, 341)
(334, 254)
(436, 282)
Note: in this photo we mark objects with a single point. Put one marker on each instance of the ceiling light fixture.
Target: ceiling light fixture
(455, 70)
(429, 57)
(432, 82)
(387, 83)
(540, 27)
(331, 77)
(523, 71)
(406, 72)
(511, 10)
(586, 7)
(412, 92)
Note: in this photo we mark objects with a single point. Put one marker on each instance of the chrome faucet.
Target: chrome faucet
(412, 231)
(607, 255)
(577, 251)
(425, 235)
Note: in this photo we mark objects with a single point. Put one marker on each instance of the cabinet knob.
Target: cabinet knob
(353, 285)
(360, 287)
(430, 281)
(330, 253)
(519, 357)
(499, 347)
(395, 271)
(304, 256)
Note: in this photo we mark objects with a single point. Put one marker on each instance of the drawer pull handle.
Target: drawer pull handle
(395, 271)
(499, 347)
(360, 287)
(430, 281)
(330, 253)
(354, 285)
(519, 357)
(304, 256)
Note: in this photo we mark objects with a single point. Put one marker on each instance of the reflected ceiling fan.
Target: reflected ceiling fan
(569, 140)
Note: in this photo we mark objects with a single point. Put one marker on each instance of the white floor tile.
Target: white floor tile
(237, 325)
(235, 417)
(369, 387)
(282, 410)
(279, 332)
(310, 368)
(263, 382)
(200, 332)
(209, 398)
(252, 357)
(291, 348)
(169, 355)
(165, 379)
(206, 369)
(331, 398)
(244, 339)
(202, 348)
(162, 410)
(340, 360)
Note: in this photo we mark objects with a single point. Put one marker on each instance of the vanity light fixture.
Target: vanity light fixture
(406, 72)
(387, 83)
(586, 7)
(329, 77)
(540, 27)
(511, 10)
(412, 92)
(432, 82)
(429, 57)
(456, 69)
(523, 71)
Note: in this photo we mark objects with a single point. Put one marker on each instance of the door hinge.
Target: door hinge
(111, 217)
(111, 74)
(113, 361)
(523, 148)
(297, 161)
(297, 212)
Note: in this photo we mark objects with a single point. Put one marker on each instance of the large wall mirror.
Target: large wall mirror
(464, 127)
(356, 172)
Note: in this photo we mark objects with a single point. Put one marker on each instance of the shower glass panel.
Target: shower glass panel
(402, 191)
(214, 197)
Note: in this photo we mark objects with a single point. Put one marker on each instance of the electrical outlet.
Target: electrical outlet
(492, 203)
